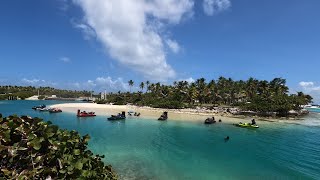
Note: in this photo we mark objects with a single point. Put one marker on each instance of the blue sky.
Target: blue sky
(95, 44)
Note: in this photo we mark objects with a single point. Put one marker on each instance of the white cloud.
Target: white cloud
(37, 82)
(100, 84)
(65, 59)
(306, 84)
(30, 81)
(126, 29)
(189, 80)
(88, 32)
(212, 7)
(173, 45)
(312, 89)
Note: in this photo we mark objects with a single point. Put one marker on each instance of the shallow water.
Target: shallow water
(151, 149)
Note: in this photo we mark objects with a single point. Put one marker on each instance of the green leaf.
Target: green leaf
(76, 152)
(22, 148)
(62, 171)
(50, 134)
(70, 168)
(78, 165)
(38, 159)
(36, 144)
(31, 136)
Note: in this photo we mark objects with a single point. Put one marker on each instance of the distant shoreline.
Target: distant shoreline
(146, 112)
(196, 115)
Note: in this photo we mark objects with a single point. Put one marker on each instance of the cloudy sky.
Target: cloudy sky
(99, 44)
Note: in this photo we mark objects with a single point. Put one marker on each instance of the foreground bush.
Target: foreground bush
(34, 149)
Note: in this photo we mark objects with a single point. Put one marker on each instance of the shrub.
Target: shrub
(34, 149)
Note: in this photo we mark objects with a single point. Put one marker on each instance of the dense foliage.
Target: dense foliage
(252, 94)
(28, 91)
(34, 149)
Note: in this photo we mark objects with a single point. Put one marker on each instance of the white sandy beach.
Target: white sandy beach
(146, 112)
(195, 115)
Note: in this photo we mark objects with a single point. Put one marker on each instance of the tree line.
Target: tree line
(28, 91)
(252, 94)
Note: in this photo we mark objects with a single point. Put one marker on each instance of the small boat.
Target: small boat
(85, 114)
(130, 113)
(121, 116)
(163, 117)
(210, 121)
(43, 109)
(39, 107)
(311, 106)
(247, 125)
(55, 110)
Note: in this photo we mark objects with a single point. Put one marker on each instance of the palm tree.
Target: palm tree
(201, 88)
(147, 83)
(141, 86)
(130, 84)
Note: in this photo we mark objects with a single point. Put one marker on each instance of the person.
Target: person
(226, 138)
(253, 122)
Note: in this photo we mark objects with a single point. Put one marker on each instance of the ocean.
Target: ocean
(140, 148)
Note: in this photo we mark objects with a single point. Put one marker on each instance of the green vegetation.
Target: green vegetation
(28, 91)
(34, 149)
(252, 94)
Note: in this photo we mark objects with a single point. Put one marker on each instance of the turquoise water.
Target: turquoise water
(151, 149)
(313, 109)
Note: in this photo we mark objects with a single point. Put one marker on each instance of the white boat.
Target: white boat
(309, 106)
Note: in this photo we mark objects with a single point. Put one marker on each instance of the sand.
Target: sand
(147, 112)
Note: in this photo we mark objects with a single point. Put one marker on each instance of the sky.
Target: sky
(101, 45)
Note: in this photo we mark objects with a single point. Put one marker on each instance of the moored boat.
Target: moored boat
(121, 116)
(39, 107)
(85, 114)
(210, 121)
(164, 116)
(43, 109)
(247, 125)
(55, 110)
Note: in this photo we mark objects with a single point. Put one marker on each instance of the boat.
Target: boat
(247, 125)
(132, 113)
(55, 110)
(311, 106)
(121, 116)
(210, 121)
(39, 107)
(85, 114)
(163, 117)
(44, 109)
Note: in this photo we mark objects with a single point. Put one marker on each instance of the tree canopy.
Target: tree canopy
(252, 94)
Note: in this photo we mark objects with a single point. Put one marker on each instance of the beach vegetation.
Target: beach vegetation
(24, 92)
(34, 149)
(262, 96)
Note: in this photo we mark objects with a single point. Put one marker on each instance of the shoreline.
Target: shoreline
(194, 115)
(146, 112)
